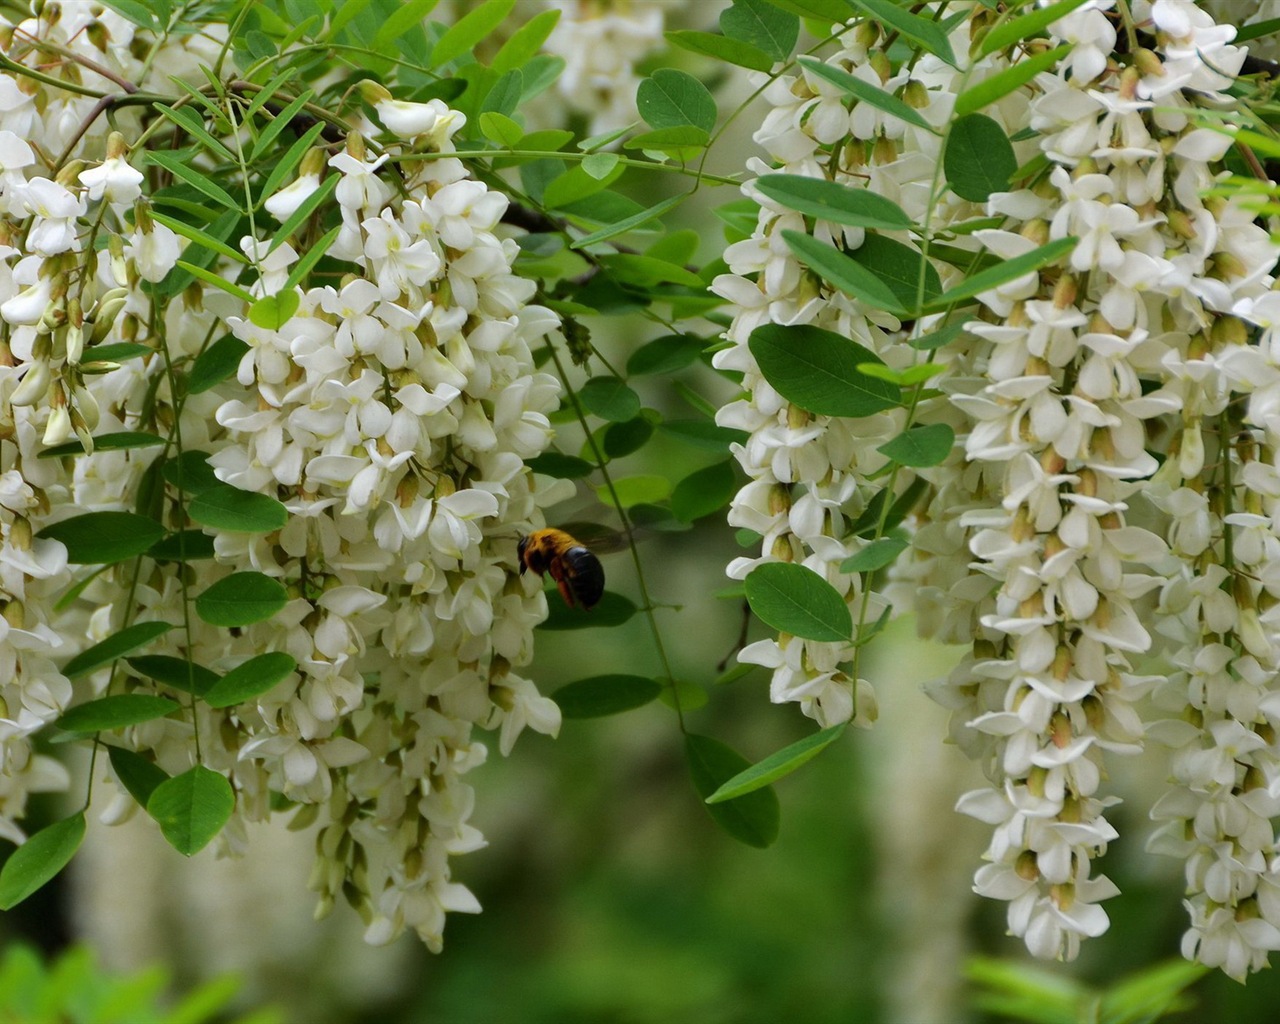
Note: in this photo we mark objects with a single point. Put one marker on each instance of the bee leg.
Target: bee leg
(565, 591)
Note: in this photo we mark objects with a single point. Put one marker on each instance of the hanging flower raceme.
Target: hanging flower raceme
(351, 455)
(1107, 505)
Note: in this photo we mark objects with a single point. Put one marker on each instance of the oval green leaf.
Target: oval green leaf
(192, 808)
(560, 466)
(1007, 270)
(37, 860)
(798, 601)
(762, 25)
(751, 819)
(731, 51)
(818, 370)
(665, 355)
(704, 434)
(115, 712)
(903, 270)
(139, 776)
(875, 555)
(610, 399)
(605, 695)
(105, 537)
(704, 491)
(271, 312)
(829, 200)
(241, 599)
(621, 439)
(228, 508)
(183, 546)
(118, 644)
(920, 446)
(867, 93)
(777, 764)
(215, 364)
(190, 472)
(175, 672)
(674, 99)
(844, 272)
(979, 158)
(250, 679)
(117, 441)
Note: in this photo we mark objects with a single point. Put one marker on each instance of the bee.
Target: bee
(578, 573)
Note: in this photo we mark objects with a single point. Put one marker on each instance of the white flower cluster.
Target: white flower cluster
(601, 42)
(1114, 499)
(392, 412)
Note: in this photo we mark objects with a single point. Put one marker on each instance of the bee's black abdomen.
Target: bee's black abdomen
(585, 575)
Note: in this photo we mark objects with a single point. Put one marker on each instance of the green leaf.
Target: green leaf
(613, 610)
(118, 441)
(201, 238)
(296, 219)
(115, 646)
(704, 435)
(679, 142)
(191, 123)
(920, 446)
(731, 51)
(183, 171)
(605, 695)
(643, 271)
(190, 472)
(776, 765)
(500, 129)
(751, 819)
(504, 97)
(1015, 30)
(829, 200)
(314, 254)
(548, 140)
(192, 808)
(673, 99)
(241, 599)
(408, 15)
(1007, 270)
(561, 466)
(636, 490)
(796, 600)
(703, 492)
(271, 312)
(210, 278)
(182, 546)
(926, 32)
(875, 556)
(228, 508)
(599, 165)
(979, 158)
(1149, 994)
(757, 23)
(818, 370)
(665, 355)
(250, 679)
(139, 776)
(622, 439)
(215, 364)
(610, 399)
(115, 712)
(138, 13)
(843, 272)
(904, 270)
(1004, 82)
(118, 352)
(867, 93)
(292, 157)
(178, 673)
(1255, 31)
(869, 525)
(469, 30)
(576, 184)
(628, 223)
(525, 42)
(943, 336)
(37, 860)
(104, 537)
(825, 12)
